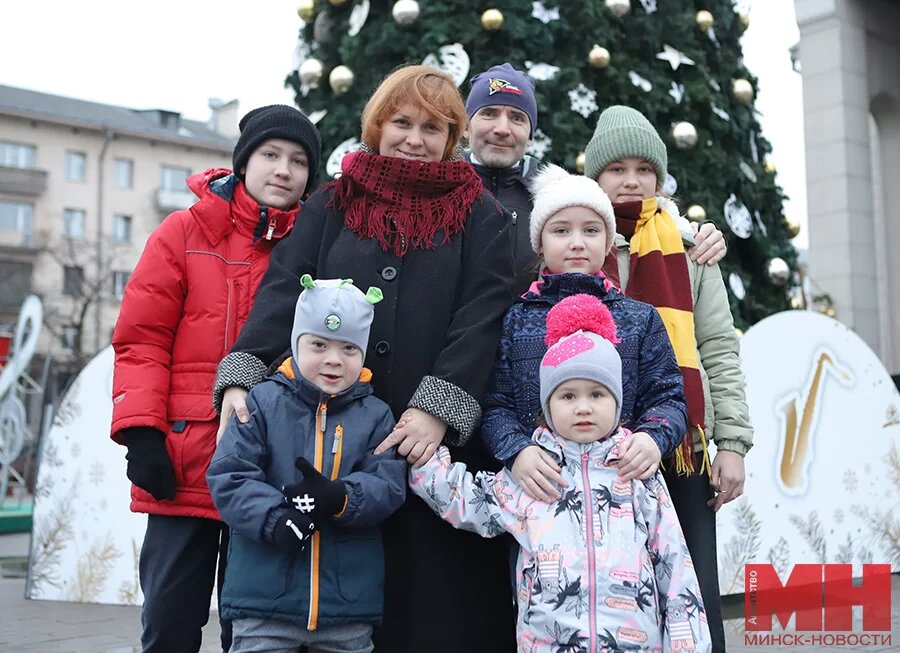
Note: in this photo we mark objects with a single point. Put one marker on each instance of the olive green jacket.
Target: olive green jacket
(727, 415)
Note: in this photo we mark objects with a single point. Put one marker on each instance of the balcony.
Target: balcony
(23, 181)
(173, 200)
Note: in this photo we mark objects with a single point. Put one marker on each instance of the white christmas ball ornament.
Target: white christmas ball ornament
(778, 270)
(618, 8)
(405, 12)
(340, 79)
(310, 72)
(685, 135)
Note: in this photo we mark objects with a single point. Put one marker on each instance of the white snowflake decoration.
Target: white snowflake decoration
(748, 171)
(721, 113)
(677, 92)
(761, 224)
(358, 17)
(640, 82)
(540, 144)
(674, 57)
(333, 165)
(316, 116)
(542, 72)
(544, 14)
(737, 285)
(649, 6)
(738, 217)
(583, 100)
(453, 60)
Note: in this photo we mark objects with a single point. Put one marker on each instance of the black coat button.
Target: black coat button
(389, 273)
(382, 348)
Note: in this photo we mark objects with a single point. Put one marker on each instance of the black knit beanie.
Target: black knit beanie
(277, 121)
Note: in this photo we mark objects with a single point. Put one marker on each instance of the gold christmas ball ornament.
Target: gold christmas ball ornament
(744, 17)
(778, 271)
(696, 213)
(769, 166)
(684, 134)
(830, 312)
(405, 12)
(793, 227)
(618, 8)
(337, 3)
(705, 20)
(492, 20)
(579, 163)
(796, 302)
(598, 57)
(340, 79)
(739, 333)
(310, 72)
(742, 90)
(305, 9)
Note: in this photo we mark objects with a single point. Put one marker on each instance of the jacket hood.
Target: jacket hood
(217, 185)
(289, 376)
(600, 450)
(554, 287)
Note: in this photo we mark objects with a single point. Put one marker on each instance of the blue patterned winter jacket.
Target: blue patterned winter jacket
(652, 386)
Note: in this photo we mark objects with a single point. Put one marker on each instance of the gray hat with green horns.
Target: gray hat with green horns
(334, 309)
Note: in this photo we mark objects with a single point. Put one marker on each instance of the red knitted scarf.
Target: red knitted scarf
(404, 203)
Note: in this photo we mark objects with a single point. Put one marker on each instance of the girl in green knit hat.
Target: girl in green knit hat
(649, 262)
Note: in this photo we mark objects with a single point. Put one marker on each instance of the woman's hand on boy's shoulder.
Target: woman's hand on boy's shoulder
(417, 436)
(639, 457)
(538, 474)
(234, 401)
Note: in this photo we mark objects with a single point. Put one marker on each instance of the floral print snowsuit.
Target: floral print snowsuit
(603, 569)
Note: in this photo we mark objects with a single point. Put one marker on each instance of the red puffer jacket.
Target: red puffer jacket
(184, 305)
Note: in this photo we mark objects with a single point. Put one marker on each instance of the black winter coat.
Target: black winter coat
(510, 186)
(440, 321)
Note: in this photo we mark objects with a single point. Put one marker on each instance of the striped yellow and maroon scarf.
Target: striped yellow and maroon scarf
(659, 276)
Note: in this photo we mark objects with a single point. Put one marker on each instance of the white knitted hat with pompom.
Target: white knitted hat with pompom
(554, 189)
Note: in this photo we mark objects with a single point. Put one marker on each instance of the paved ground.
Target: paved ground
(57, 627)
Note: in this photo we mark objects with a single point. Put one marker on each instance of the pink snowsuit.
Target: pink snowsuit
(604, 568)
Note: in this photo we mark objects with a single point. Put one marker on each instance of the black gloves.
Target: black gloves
(293, 531)
(149, 465)
(315, 495)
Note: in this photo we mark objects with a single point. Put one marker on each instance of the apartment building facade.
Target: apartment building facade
(82, 186)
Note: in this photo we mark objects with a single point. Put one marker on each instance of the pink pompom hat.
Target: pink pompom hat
(581, 337)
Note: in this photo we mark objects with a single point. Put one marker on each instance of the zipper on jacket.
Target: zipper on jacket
(270, 230)
(321, 420)
(336, 450)
(592, 563)
(229, 284)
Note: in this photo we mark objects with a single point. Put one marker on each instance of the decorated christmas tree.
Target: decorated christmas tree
(677, 61)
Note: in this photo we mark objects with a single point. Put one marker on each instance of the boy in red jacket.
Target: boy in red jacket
(183, 307)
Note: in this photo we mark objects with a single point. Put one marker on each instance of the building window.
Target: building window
(73, 280)
(73, 223)
(16, 155)
(75, 165)
(121, 231)
(119, 279)
(70, 336)
(174, 178)
(123, 170)
(15, 222)
(15, 284)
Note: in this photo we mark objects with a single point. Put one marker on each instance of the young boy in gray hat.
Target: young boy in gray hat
(302, 490)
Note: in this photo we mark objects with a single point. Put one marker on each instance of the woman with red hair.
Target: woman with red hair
(409, 216)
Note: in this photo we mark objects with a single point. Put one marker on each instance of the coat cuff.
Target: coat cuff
(450, 403)
(237, 369)
(737, 446)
